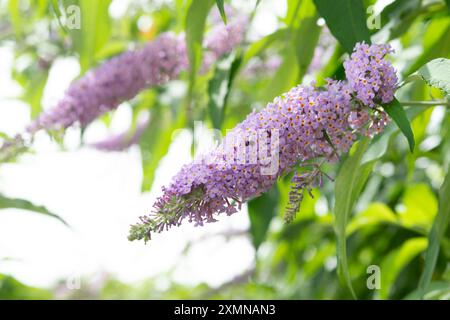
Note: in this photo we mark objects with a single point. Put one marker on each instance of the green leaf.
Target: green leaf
(349, 183)
(306, 36)
(346, 20)
(395, 110)
(316, 264)
(380, 143)
(6, 203)
(398, 9)
(155, 142)
(261, 210)
(259, 46)
(436, 234)
(292, 14)
(306, 39)
(58, 14)
(195, 27)
(94, 32)
(333, 68)
(34, 91)
(420, 205)
(285, 77)
(222, 10)
(12, 289)
(219, 87)
(436, 73)
(376, 213)
(16, 17)
(436, 43)
(111, 49)
(397, 260)
(420, 125)
(33, 80)
(435, 288)
(399, 16)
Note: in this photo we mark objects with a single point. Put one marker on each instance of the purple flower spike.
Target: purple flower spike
(305, 127)
(119, 79)
(123, 77)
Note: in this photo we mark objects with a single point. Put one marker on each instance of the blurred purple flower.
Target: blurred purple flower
(269, 65)
(123, 77)
(223, 38)
(124, 140)
(256, 68)
(323, 51)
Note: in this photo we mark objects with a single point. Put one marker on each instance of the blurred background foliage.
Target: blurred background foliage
(395, 211)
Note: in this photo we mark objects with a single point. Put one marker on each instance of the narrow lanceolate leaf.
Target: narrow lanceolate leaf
(395, 110)
(306, 39)
(436, 234)
(91, 29)
(156, 141)
(306, 36)
(34, 91)
(6, 203)
(346, 20)
(349, 183)
(435, 290)
(195, 27)
(436, 73)
(261, 210)
(15, 17)
(58, 14)
(221, 10)
(397, 260)
(285, 77)
(259, 46)
(219, 87)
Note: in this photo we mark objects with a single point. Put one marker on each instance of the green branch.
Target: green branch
(426, 103)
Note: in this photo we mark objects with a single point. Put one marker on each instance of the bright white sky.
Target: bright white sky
(99, 195)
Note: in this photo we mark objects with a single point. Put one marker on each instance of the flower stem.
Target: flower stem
(426, 103)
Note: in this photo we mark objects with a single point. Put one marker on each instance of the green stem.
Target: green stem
(426, 103)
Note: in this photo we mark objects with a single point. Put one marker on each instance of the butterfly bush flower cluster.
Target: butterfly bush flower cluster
(221, 40)
(370, 76)
(299, 130)
(123, 77)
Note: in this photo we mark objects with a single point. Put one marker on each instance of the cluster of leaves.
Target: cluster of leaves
(389, 204)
